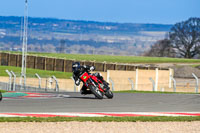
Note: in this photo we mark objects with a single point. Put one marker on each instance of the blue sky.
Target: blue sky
(133, 11)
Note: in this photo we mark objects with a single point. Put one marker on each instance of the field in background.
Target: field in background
(118, 59)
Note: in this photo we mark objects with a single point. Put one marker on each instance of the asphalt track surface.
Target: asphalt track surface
(122, 102)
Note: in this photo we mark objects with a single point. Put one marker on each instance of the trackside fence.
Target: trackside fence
(139, 80)
(17, 82)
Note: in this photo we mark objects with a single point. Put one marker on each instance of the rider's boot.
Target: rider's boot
(105, 83)
(84, 91)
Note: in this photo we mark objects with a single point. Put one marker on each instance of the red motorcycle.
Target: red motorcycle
(96, 86)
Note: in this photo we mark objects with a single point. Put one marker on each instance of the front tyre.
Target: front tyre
(96, 92)
(109, 94)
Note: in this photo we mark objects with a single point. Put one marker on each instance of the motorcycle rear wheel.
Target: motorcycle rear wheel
(1, 96)
(96, 92)
(109, 94)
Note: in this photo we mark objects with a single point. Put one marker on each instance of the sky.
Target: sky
(122, 11)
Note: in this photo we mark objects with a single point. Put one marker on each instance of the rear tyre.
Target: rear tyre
(96, 92)
(109, 94)
(1, 96)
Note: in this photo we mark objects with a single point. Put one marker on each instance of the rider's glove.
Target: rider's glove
(77, 82)
(92, 68)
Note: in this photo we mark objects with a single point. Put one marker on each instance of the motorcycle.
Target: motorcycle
(96, 86)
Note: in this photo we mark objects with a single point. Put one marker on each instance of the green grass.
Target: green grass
(101, 119)
(2, 91)
(134, 91)
(196, 65)
(31, 72)
(119, 59)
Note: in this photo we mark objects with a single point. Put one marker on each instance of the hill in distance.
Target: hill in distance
(84, 37)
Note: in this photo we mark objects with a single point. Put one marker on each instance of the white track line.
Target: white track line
(109, 114)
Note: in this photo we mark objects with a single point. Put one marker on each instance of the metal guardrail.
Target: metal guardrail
(40, 80)
(11, 85)
(132, 83)
(14, 80)
(174, 83)
(197, 83)
(57, 86)
(153, 84)
(4, 86)
(113, 84)
(10, 80)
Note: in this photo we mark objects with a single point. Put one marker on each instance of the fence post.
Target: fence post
(57, 87)
(22, 75)
(132, 84)
(153, 84)
(113, 84)
(14, 80)
(24, 82)
(10, 80)
(156, 82)
(197, 83)
(46, 86)
(170, 80)
(174, 83)
(136, 79)
(38, 76)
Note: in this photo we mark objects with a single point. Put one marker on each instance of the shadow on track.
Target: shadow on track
(93, 98)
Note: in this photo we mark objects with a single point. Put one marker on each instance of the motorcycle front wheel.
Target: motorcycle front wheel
(96, 92)
(109, 94)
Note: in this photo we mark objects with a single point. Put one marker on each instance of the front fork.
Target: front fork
(96, 85)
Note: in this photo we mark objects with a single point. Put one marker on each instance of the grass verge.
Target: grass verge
(31, 72)
(119, 59)
(101, 119)
(2, 91)
(133, 91)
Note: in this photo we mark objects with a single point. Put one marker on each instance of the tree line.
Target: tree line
(182, 41)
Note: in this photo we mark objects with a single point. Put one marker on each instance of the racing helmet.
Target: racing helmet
(75, 66)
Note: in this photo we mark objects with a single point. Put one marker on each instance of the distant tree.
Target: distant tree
(161, 48)
(185, 38)
(62, 46)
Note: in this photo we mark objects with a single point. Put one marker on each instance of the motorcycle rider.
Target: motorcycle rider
(77, 70)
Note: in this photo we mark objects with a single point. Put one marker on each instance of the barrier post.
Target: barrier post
(197, 83)
(113, 84)
(170, 80)
(10, 80)
(57, 87)
(156, 82)
(14, 80)
(153, 84)
(132, 84)
(174, 83)
(136, 79)
(24, 82)
(40, 80)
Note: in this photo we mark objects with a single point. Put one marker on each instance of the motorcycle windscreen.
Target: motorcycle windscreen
(84, 77)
